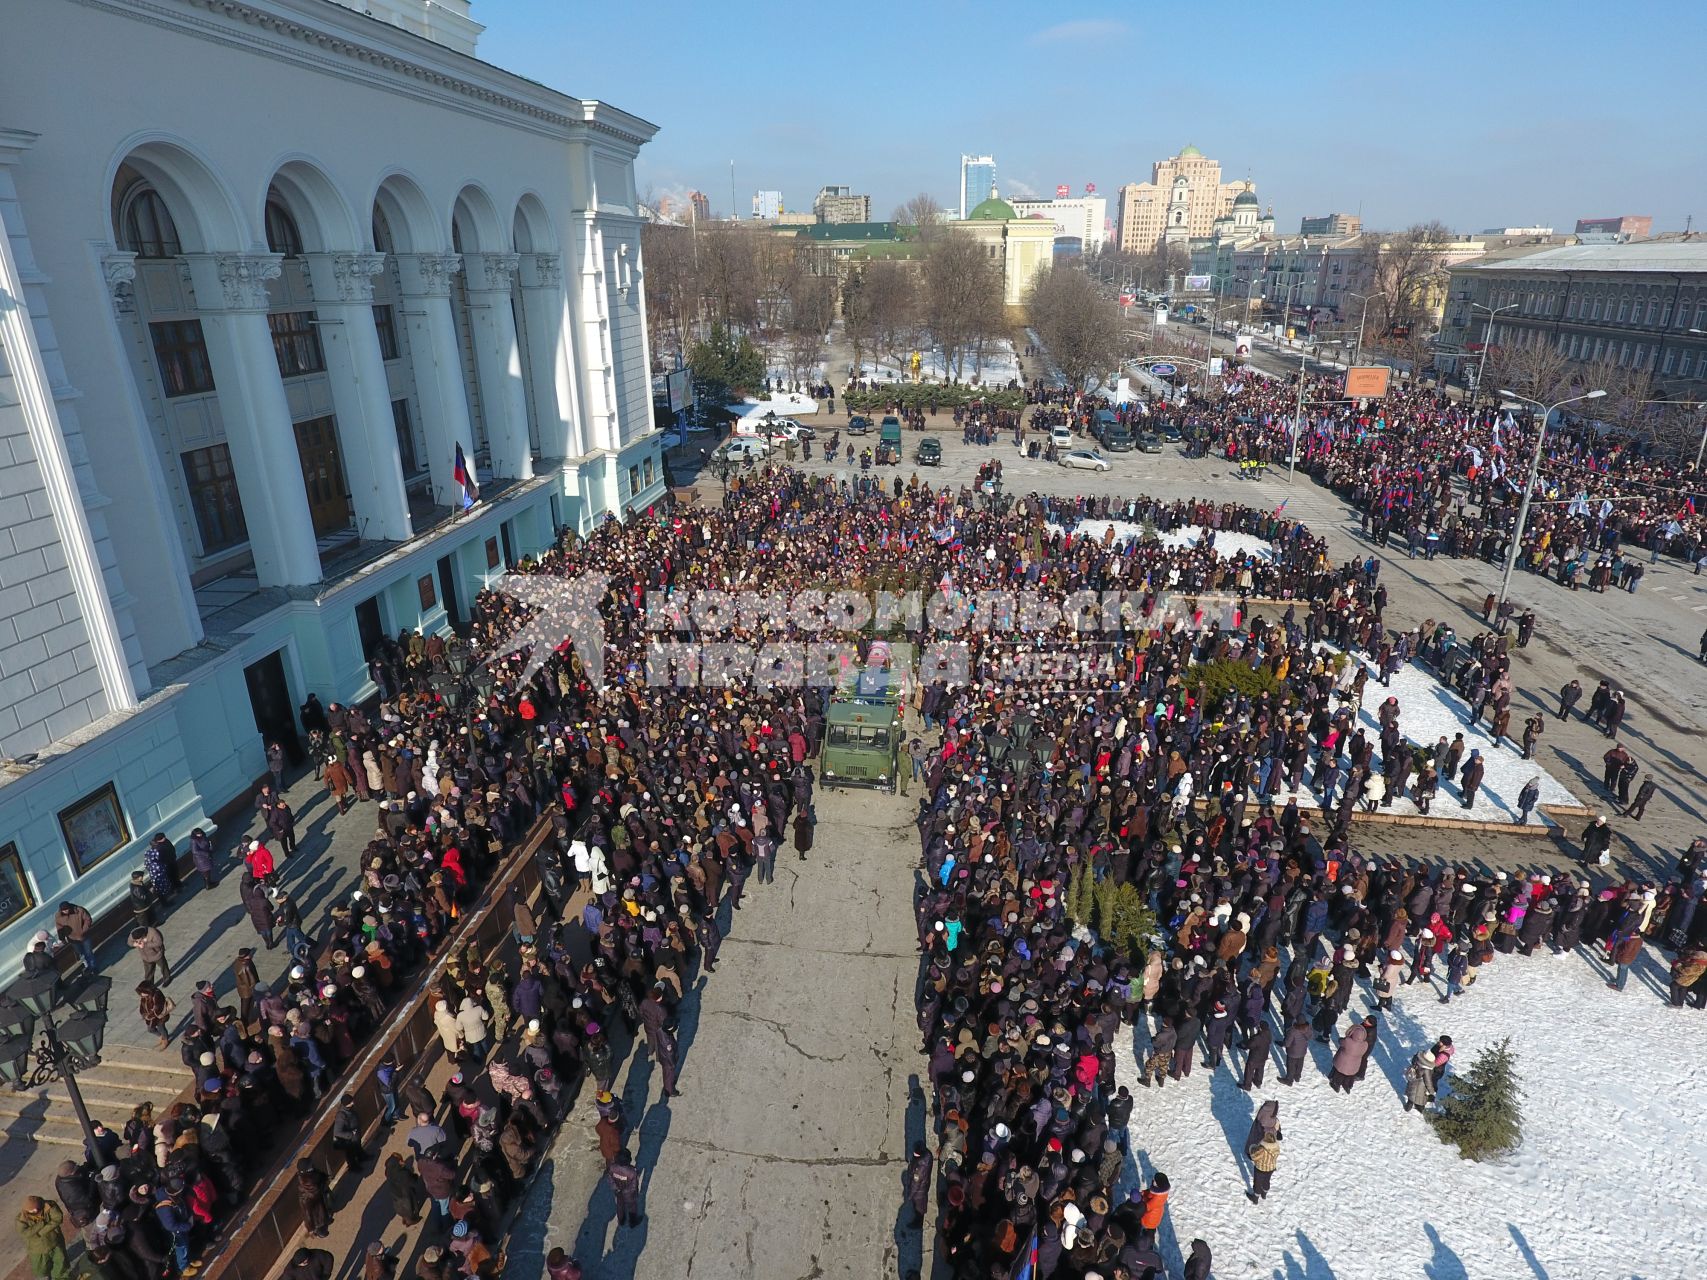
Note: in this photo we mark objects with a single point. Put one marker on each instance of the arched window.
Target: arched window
(148, 228)
(282, 234)
(382, 232)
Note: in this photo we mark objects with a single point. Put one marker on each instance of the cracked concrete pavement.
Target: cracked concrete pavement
(784, 1155)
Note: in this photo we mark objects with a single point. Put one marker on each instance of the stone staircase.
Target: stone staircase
(110, 1091)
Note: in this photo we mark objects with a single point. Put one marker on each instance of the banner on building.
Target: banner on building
(1367, 381)
(1062, 191)
(1198, 284)
(1216, 364)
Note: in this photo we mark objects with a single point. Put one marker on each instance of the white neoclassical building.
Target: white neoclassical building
(266, 265)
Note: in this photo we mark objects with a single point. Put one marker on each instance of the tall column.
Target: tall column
(231, 298)
(551, 356)
(593, 350)
(437, 364)
(498, 361)
(361, 397)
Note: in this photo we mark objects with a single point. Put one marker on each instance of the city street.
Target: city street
(800, 1093)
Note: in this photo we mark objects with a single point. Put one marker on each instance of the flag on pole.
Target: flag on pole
(1579, 505)
(1026, 1260)
(464, 476)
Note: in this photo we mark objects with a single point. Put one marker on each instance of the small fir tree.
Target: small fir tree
(1079, 895)
(1483, 1114)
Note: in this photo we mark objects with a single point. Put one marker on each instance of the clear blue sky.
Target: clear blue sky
(1494, 113)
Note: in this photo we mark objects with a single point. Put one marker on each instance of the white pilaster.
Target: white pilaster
(425, 279)
(551, 356)
(593, 350)
(498, 361)
(343, 301)
(41, 422)
(231, 297)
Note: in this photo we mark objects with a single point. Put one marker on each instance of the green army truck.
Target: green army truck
(862, 734)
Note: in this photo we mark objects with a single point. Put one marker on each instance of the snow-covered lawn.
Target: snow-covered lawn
(1000, 366)
(1428, 709)
(1606, 1185)
(1227, 545)
(784, 404)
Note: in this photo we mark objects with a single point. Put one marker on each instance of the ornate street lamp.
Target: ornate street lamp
(456, 653)
(59, 1030)
(448, 689)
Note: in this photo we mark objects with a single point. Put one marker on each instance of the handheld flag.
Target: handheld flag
(464, 477)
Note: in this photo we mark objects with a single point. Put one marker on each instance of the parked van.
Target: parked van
(744, 449)
(1112, 433)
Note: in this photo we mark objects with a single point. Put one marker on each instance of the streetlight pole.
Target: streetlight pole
(1297, 419)
(1357, 352)
(65, 1046)
(1529, 485)
(1487, 341)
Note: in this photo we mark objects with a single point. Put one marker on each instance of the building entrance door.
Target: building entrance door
(269, 701)
(323, 475)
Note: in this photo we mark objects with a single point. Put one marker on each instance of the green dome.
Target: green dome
(993, 210)
(1188, 150)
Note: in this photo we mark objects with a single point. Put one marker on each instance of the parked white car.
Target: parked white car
(1061, 436)
(1085, 460)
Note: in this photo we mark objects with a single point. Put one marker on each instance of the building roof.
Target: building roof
(1245, 197)
(852, 231)
(1661, 255)
(1188, 150)
(993, 210)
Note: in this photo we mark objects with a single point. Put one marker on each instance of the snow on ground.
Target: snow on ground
(1227, 545)
(1428, 709)
(784, 404)
(1000, 366)
(1605, 1185)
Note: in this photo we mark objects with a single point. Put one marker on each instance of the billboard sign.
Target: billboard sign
(1161, 316)
(1197, 284)
(1126, 299)
(1090, 188)
(1062, 191)
(1163, 369)
(1367, 381)
(1242, 345)
(1215, 366)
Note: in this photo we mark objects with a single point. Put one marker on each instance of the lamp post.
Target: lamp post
(58, 1048)
(1529, 484)
(1488, 341)
(1297, 417)
(1357, 352)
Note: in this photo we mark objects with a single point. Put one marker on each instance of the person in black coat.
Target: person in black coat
(1215, 1031)
(1185, 1047)
(1197, 1266)
(919, 1182)
(1295, 1048)
(1257, 1049)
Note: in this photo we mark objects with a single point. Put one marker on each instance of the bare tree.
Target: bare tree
(962, 297)
(922, 212)
(672, 290)
(1402, 268)
(893, 296)
(1538, 369)
(729, 274)
(1077, 325)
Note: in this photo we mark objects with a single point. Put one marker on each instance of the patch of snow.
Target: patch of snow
(1428, 709)
(1000, 366)
(1227, 545)
(1604, 1186)
(784, 404)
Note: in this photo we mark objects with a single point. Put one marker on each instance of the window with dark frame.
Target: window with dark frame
(296, 344)
(385, 322)
(214, 498)
(16, 896)
(180, 351)
(148, 228)
(492, 556)
(405, 438)
(94, 828)
(282, 234)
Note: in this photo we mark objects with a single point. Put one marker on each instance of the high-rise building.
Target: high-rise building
(1085, 218)
(1333, 224)
(977, 182)
(701, 206)
(840, 205)
(767, 204)
(1181, 201)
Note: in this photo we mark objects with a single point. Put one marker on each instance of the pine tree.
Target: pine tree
(1103, 903)
(1079, 896)
(1483, 1113)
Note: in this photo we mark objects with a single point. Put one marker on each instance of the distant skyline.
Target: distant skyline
(1480, 115)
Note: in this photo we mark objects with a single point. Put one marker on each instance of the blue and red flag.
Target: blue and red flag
(464, 476)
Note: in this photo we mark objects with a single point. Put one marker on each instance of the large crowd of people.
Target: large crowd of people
(662, 802)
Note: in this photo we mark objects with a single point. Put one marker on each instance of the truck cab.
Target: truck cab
(862, 733)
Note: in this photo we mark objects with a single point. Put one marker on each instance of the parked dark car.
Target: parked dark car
(930, 452)
(1149, 442)
(858, 425)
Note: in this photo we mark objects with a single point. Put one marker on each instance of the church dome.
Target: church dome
(993, 210)
(1188, 150)
(1245, 199)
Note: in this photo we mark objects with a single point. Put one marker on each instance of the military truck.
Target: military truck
(862, 733)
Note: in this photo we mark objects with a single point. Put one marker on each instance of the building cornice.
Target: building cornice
(337, 41)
